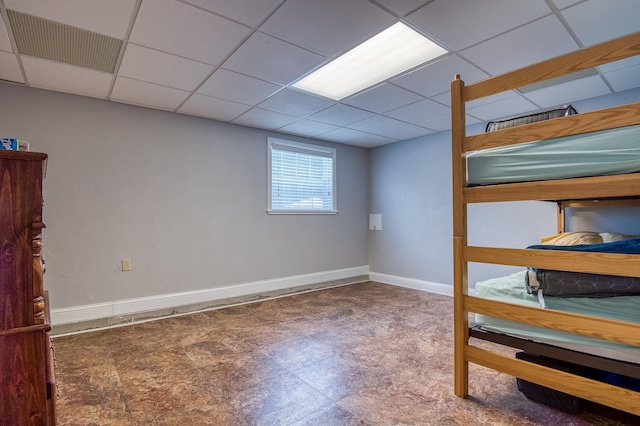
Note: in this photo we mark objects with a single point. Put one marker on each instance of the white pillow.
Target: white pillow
(572, 238)
(610, 237)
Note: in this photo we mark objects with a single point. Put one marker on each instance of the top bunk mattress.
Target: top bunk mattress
(606, 152)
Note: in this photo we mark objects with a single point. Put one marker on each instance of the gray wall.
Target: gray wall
(185, 198)
(411, 187)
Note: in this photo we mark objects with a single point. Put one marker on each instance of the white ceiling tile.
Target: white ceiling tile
(620, 98)
(110, 18)
(492, 99)
(270, 59)
(306, 127)
(443, 98)
(569, 92)
(141, 63)
(9, 68)
(371, 141)
(66, 78)
(327, 27)
(260, 47)
(264, 119)
(595, 21)
(436, 78)
(295, 103)
(341, 115)
(625, 78)
(402, 7)
(186, 31)
(562, 4)
(403, 131)
(469, 120)
(382, 98)
(509, 107)
(147, 94)
(462, 23)
(5, 43)
(618, 65)
(508, 52)
(418, 111)
(437, 122)
(388, 127)
(236, 87)
(248, 12)
(217, 109)
(343, 135)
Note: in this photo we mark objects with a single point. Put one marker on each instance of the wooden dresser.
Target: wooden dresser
(27, 385)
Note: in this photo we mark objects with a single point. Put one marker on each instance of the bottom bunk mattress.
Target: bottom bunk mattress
(512, 289)
(606, 152)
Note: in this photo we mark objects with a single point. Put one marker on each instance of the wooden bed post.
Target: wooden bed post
(460, 280)
(560, 217)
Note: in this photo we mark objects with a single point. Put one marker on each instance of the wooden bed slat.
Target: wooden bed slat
(610, 118)
(624, 368)
(579, 60)
(592, 263)
(582, 387)
(601, 202)
(586, 187)
(597, 327)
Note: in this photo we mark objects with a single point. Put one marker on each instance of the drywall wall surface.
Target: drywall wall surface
(410, 186)
(184, 198)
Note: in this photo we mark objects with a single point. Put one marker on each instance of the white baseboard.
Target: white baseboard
(117, 308)
(432, 287)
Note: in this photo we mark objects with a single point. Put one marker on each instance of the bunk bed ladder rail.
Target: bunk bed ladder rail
(460, 270)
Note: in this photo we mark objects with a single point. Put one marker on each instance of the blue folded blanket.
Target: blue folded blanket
(630, 246)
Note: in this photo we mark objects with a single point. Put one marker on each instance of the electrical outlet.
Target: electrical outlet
(126, 265)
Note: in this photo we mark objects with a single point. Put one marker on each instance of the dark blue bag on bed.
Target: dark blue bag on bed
(580, 284)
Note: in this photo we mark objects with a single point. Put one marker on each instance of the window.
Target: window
(302, 178)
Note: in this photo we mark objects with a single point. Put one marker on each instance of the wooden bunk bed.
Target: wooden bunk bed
(580, 191)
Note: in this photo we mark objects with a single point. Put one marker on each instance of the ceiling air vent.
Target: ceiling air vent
(558, 80)
(63, 43)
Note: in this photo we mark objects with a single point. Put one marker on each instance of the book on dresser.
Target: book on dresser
(27, 383)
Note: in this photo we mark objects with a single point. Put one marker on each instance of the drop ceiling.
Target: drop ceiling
(235, 60)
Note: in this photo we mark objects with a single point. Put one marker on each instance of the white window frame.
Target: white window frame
(304, 148)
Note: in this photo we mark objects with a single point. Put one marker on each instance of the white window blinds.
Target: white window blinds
(301, 178)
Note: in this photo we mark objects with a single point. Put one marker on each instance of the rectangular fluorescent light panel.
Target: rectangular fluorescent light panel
(394, 50)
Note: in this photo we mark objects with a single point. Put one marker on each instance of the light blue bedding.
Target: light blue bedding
(606, 152)
(511, 289)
